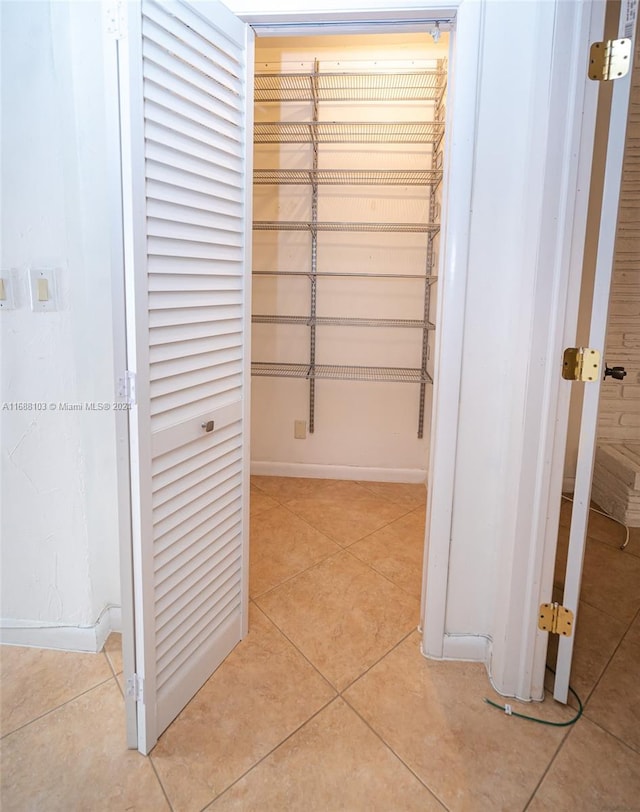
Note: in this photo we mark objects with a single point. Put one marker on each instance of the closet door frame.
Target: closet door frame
(511, 647)
(464, 51)
(525, 580)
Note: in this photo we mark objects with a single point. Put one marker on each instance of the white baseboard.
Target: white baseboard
(115, 619)
(466, 647)
(65, 638)
(353, 472)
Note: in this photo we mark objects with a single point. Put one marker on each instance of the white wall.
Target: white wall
(496, 320)
(59, 511)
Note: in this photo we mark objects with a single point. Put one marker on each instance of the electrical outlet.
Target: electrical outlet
(300, 429)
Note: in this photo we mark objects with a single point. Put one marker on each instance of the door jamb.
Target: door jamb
(452, 294)
(518, 663)
(111, 44)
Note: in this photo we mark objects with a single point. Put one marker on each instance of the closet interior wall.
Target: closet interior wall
(351, 292)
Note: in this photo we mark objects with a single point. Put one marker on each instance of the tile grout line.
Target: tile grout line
(382, 575)
(343, 548)
(631, 747)
(61, 705)
(584, 713)
(355, 679)
(364, 482)
(611, 547)
(326, 558)
(304, 521)
(609, 661)
(301, 653)
(388, 524)
(278, 499)
(341, 544)
(373, 665)
(338, 695)
(549, 765)
(391, 501)
(315, 667)
(159, 780)
(341, 693)
(275, 747)
(295, 575)
(266, 755)
(375, 732)
(387, 746)
(111, 665)
(636, 617)
(599, 680)
(600, 609)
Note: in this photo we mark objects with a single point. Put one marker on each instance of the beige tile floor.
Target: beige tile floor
(328, 704)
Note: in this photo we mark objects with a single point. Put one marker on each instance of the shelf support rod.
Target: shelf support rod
(314, 250)
(430, 263)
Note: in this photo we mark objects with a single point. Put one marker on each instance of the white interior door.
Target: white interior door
(597, 336)
(186, 97)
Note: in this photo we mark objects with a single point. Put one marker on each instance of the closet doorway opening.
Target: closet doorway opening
(349, 140)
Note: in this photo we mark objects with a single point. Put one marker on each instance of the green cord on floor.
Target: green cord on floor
(507, 709)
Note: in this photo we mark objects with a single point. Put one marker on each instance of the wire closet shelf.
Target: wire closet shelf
(348, 132)
(340, 372)
(349, 177)
(341, 321)
(398, 85)
(308, 225)
(429, 279)
(415, 118)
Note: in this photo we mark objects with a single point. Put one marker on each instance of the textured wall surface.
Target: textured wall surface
(59, 535)
(619, 419)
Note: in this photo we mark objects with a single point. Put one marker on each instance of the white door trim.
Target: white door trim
(379, 12)
(246, 331)
(462, 105)
(456, 221)
(125, 550)
(134, 229)
(519, 649)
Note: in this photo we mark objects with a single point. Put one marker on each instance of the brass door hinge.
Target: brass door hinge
(580, 364)
(609, 60)
(555, 619)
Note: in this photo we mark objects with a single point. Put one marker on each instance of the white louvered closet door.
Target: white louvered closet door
(186, 95)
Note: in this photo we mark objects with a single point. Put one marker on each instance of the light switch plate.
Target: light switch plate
(44, 290)
(7, 301)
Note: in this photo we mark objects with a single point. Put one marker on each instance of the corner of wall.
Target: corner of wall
(90, 639)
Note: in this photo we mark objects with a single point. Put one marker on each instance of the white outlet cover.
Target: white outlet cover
(36, 277)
